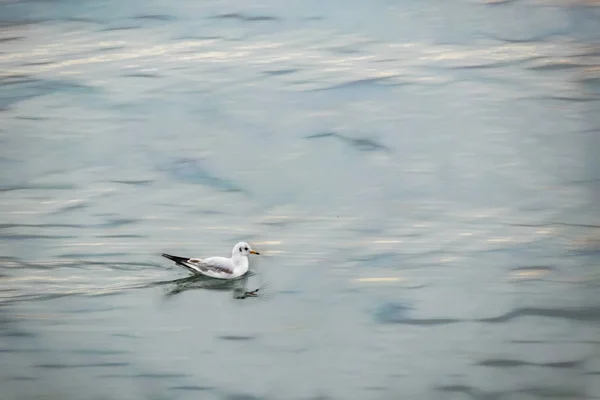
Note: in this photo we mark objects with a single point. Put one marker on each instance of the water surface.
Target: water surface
(420, 177)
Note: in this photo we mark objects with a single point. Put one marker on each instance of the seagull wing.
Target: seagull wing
(212, 264)
(217, 267)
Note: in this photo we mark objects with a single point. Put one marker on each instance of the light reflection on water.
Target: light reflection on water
(420, 178)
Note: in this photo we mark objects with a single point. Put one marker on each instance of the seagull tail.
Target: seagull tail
(176, 259)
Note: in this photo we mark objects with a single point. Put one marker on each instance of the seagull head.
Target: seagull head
(243, 249)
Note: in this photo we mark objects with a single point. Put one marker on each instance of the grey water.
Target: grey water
(420, 177)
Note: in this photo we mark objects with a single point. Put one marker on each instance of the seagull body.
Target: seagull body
(218, 267)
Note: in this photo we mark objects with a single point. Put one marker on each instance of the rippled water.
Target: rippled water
(421, 178)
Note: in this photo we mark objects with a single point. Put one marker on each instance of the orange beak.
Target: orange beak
(254, 252)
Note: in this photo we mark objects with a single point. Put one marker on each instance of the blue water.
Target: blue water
(421, 179)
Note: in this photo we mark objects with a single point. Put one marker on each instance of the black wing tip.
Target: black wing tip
(177, 259)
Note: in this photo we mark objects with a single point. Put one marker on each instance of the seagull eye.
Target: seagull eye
(246, 249)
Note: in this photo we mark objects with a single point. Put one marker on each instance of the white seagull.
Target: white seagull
(218, 267)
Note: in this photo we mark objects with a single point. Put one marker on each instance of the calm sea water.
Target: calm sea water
(421, 178)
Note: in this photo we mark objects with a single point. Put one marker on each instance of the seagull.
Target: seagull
(218, 267)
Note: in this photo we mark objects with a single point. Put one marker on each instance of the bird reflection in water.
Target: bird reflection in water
(238, 287)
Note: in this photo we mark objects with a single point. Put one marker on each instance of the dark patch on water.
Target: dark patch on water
(11, 39)
(6, 226)
(134, 182)
(361, 144)
(572, 225)
(75, 19)
(30, 237)
(321, 135)
(386, 60)
(562, 364)
(78, 206)
(562, 99)
(192, 171)
(20, 22)
(120, 222)
(125, 335)
(20, 350)
(17, 89)
(38, 63)
(578, 314)
(289, 291)
(195, 38)
(193, 388)
(365, 144)
(7, 159)
(29, 118)
(499, 2)
(9, 188)
(100, 352)
(509, 363)
(141, 75)
(90, 365)
(426, 321)
(393, 312)
(555, 392)
(207, 212)
(531, 39)
(375, 388)
(236, 338)
(553, 66)
(475, 67)
(359, 84)
(118, 28)
(344, 50)
(456, 389)
(110, 48)
(159, 375)
(281, 72)
(38, 297)
(533, 268)
(244, 17)
(22, 378)
(529, 341)
(591, 82)
(121, 236)
(399, 314)
(278, 223)
(155, 17)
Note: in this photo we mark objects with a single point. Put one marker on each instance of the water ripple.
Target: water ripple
(18, 88)
(361, 144)
(398, 314)
(578, 314)
(192, 171)
(508, 363)
(245, 17)
(193, 388)
(236, 338)
(87, 365)
(155, 17)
